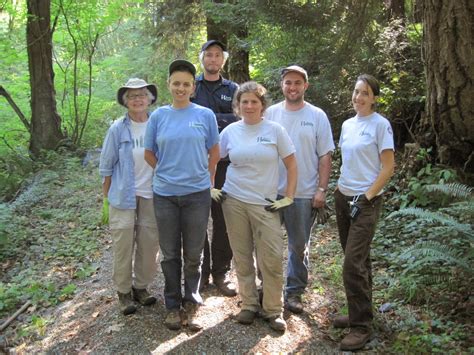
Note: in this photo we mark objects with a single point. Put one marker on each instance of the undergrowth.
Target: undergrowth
(49, 237)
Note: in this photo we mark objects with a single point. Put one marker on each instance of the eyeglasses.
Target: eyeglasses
(137, 96)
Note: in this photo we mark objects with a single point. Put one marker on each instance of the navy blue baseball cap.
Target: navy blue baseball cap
(211, 43)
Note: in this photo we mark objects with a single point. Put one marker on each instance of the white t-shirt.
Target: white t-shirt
(310, 131)
(361, 142)
(143, 171)
(254, 152)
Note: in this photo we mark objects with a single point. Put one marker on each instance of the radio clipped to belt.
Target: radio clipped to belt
(354, 208)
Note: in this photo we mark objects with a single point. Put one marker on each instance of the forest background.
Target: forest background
(62, 62)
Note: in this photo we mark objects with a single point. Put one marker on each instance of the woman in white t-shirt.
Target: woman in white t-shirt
(254, 147)
(367, 151)
(128, 197)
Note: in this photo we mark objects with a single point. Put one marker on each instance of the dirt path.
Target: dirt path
(90, 323)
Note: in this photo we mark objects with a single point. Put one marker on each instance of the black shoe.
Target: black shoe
(293, 304)
(227, 288)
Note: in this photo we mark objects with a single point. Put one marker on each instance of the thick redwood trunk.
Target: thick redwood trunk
(448, 44)
(45, 121)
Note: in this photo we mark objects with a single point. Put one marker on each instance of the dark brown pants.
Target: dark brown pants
(355, 237)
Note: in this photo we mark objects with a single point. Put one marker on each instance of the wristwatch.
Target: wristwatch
(322, 189)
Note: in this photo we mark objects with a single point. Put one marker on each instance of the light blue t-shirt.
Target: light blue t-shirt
(180, 139)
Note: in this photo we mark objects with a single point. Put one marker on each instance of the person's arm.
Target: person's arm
(324, 170)
(225, 119)
(291, 175)
(213, 160)
(387, 158)
(150, 158)
(106, 185)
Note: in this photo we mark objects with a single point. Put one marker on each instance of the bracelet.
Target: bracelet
(322, 189)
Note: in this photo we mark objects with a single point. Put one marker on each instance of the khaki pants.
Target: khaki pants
(250, 229)
(135, 245)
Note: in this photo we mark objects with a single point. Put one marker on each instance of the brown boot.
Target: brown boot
(126, 304)
(246, 316)
(143, 297)
(341, 322)
(191, 310)
(356, 339)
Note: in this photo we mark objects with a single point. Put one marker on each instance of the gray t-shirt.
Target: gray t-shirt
(361, 142)
(254, 152)
(310, 131)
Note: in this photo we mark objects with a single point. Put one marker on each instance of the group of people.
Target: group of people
(218, 148)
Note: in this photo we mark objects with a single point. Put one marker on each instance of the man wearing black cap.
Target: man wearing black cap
(216, 93)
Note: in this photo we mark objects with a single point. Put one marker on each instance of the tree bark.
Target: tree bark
(237, 67)
(45, 121)
(448, 43)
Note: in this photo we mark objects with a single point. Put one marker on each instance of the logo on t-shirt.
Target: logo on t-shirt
(364, 133)
(263, 140)
(305, 123)
(196, 124)
(226, 98)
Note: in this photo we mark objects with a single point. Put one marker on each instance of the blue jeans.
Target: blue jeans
(182, 225)
(297, 219)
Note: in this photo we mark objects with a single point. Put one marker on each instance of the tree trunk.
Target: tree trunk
(395, 9)
(239, 64)
(448, 43)
(45, 121)
(237, 67)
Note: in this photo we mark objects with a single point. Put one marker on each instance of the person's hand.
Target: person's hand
(105, 211)
(278, 204)
(322, 214)
(218, 195)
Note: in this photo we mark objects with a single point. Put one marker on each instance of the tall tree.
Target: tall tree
(448, 43)
(45, 121)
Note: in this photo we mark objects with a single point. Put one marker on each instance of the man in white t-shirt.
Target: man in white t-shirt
(310, 131)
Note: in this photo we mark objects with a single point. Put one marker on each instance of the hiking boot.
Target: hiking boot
(341, 322)
(143, 297)
(191, 316)
(293, 304)
(173, 319)
(246, 317)
(126, 304)
(356, 339)
(227, 288)
(277, 323)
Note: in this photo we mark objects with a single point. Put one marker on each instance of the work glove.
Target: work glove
(321, 214)
(105, 211)
(278, 204)
(218, 195)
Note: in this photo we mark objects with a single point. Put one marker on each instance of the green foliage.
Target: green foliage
(436, 246)
(50, 226)
(428, 174)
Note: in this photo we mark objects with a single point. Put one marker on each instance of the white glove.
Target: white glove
(278, 204)
(218, 195)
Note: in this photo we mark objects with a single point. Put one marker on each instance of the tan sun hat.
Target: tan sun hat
(135, 83)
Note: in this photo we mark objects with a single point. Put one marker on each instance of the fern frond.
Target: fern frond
(433, 217)
(434, 252)
(454, 189)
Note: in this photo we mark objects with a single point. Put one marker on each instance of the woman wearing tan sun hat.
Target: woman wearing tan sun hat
(127, 188)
